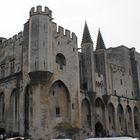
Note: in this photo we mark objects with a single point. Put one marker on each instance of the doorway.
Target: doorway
(99, 129)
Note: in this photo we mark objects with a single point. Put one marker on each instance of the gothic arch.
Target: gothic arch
(28, 109)
(61, 60)
(111, 118)
(2, 106)
(121, 119)
(129, 120)
(136, 121)
(86, 114)
(59, 101)
(100, 110)
(13, 109)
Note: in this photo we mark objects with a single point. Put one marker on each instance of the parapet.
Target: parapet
(38, 10)
(16, 37)
(60, 31)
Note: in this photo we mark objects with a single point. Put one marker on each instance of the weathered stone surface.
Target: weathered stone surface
(45, 81)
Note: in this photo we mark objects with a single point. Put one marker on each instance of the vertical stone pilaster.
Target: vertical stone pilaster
(106, 119)
(116, 122)
(133, 125)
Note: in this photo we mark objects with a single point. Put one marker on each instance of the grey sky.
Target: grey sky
(119, 20)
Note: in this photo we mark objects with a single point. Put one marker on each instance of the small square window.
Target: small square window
(121, 82)
(72, 106)
(57, 111)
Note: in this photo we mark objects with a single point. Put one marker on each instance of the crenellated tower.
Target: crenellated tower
(40, 44)
(88, 59)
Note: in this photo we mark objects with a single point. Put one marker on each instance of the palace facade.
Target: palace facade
(46, 82)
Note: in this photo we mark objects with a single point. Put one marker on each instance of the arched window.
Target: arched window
(1, 106)
(60, 59)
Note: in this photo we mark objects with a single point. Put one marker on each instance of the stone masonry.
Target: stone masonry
(46, 82)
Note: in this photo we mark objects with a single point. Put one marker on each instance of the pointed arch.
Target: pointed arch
(136, 121)
(13, 109)
(28, 109)
(120, 119)
(100, 110)
(2, 107)
(59, 101)
(111, 118)
(86, 114)
(129, 120)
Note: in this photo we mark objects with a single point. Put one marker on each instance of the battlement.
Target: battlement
(16, 37)
(38, 10)
(60, 31)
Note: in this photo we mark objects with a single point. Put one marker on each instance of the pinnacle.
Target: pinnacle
(86, 35)
(100, 43)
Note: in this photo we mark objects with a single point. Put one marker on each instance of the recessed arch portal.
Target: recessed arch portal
(59, 101)
(136, 121)
(111, 118)
(100, 113)
(86, 114)
(120, 119)
(129, 120)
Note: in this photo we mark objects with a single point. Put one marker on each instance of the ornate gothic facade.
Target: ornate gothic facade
(45, 81)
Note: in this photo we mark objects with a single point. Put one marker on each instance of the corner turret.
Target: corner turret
(100, 43)
(39, 43)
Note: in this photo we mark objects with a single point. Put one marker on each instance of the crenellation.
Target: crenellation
(67, 33)
(5, 43)
(15, 37)
(38, 10)
(54, 27)
(60, 30)
(20, 35)
(74, 37)
(9, 41)
(32, 11)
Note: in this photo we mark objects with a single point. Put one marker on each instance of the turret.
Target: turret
(100, 43)
(88, 60)
(101, 60)
(40, 44)
(39, 10)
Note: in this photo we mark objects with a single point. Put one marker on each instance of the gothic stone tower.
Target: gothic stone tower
(51, 70)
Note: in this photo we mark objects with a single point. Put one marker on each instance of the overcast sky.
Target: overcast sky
(118, 20)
